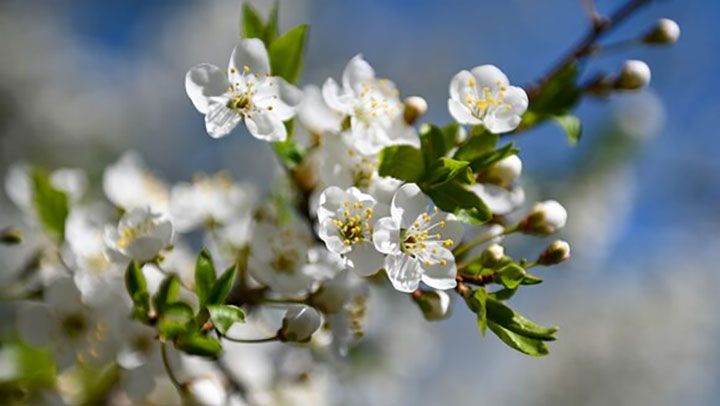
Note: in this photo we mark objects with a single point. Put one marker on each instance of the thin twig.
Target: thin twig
(166, 363)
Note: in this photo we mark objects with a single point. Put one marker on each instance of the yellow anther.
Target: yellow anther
(443, 262)
(246, 68)
(448, 243)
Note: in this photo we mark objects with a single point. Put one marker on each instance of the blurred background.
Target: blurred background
(83, 81)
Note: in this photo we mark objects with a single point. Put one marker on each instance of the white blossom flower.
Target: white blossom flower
(373, 106)
(128, 184)
(213, 199)
(496, 186)
(140, 235)
(285, 259)
(419, 241)
(545, 218)
(346, 219)
(315, 115)
(299, 324)
(483, 96)
(247, 93)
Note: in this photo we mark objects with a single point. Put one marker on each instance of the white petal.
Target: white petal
(331, 200)
(18, 186)
(489, 76)
(277, 96)
(407, 204)
(453, 229)
(459, 85)
(441, 277)
(266, 126)
(357, 72)
(336, 98)
(404, 272)
(499, 200)
(204, 81)
(251, 53)
(461, 113)
(315, 114)
(498, 124)
(364, 259)
(330, 234)
(220, 120)
(386, 236)
(368, 139)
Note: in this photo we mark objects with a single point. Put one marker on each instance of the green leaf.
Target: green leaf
(453, 197)
(167, 293)
(222, 287)
(271, 27)
(559, 94)
(252, 23)
(136, 286)
(451, 133)
(477, 303)
(531, 279)
(525, 345)
(197, 344)
(479, 142)
(511, 276)
(402, 162)
(223, 316)
(513, 321)
(572, 126)
(51, 205)
(446, 169)
(435, 143)
(176, 320)
(503, 294)
(485, 160)
(204, 276)
(286, 53)
(290, 154)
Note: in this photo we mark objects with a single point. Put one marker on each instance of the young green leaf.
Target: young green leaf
(223, 316)
(434, 142)
(402, 162)
(252, 25)
(511, 276)
(176, 320)
(479, 142)
(167, 293)
(531, 279)
(477, 303)
(197, 344)
(271, 27)
(222, 287)
(513, 321)
(485, 160)
(572, 126)
(444, 170)
(51, 204)
(559, 94)
(290, 154)
(453, 197)
(286, 53)
(135, 281)
(525, 345)
(204, 276)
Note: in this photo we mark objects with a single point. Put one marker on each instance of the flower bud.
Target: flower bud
(415, 106)
(635, 75)
(665, 31)
(505, 171)
(205, 391)
(435, 305)
(10, 236)
(557, 252)
(299, 324)
(492, 255)
(545, 218)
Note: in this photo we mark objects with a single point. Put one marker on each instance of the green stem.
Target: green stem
(166, 363)
(464, 248)
(249, 340)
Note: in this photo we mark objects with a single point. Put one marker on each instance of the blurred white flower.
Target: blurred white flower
(496, 186)
(419, 241)
(19, 187)
(346, 219)
(374, 109)
(483, 96)
(247, 93)
(128, 184)
(214, 199)
(315, 115)
(140, 235)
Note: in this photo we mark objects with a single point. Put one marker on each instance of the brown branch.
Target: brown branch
(587, 43)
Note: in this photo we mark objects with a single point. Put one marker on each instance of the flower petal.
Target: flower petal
(461, 113)
(489, 76)
(220, 120)
(330, 234)
(407, 204)
(357, 72)
(386, 236)
(315, 114)
(364, 259)
(439, 276)
(204, 81)
(266, 126)
(336, 98)
(250, 53)
(404, 272)
(459, 85)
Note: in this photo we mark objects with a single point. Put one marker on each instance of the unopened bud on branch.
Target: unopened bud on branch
(415, 106)
(634, 75)
(665, 31)
(557, 252)
(299, 324)
(10, 236)
(492, 255)
(435, 305)
(545, 218)
(505, 171)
